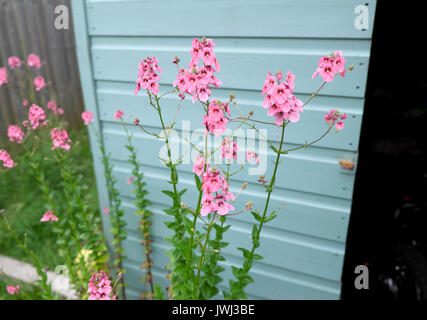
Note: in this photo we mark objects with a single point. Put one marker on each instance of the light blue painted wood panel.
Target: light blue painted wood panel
(242, 18)
(113, 95)
(241, 67)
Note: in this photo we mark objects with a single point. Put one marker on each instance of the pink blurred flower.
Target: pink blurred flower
(39, 83)
(7, 160)
(14, 62)
(106, 210)
(87, 117)
(25, 102)
(49, 216)
(34, 61)
(60, 139)
(118, 114)
(13, 289)
(36, 116)
(3, 76)
(51, 105)
(15, 134)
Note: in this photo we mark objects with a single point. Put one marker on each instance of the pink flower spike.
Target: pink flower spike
(39, 83)
(14, 62)
(15, 134)
(49, 216)
(87, 117)
(34, 61)
(60, 139)
(118, 114)
(7, 160)
(3, 76)
(36, 116)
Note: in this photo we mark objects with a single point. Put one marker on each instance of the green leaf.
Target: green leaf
(198, 182)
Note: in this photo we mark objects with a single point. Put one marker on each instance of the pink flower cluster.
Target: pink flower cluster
(34, 61)
(15, 134)
(87, 117)
(54, 107)
(148, 75)
(39, 83)
(279, 98)
(99, 287)
(197, 81)
(118, 114)
(334, 116)
(329, 66)
(13, 289)
(14, 62)
(5, 157)
(3, 76)
(215, 121)
(229, 149)
(215, 187)
(36, 116)
(49, 216)
(60, 139)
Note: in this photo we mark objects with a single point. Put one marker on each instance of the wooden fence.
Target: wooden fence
(27, 26)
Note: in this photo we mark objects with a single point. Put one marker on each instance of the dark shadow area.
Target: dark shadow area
(388, 225)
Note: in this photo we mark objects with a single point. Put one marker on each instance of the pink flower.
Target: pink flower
(49, 216)
(329, 66)
(3, 76)
(15, 134)
(99, 287)
(215, 121)
(60, 139)
(129, 181)
(34, 61)
(87, 117)
(229, 149)
(25, 102)
(14, 62)
(36, 116)
(39, 83)
(252, 155)
(106, 210)
(60, 111)
(199, 165)
(7, 160)
(12, 289)
(333, 116)
(54, 107)
(118, 114)
(148, 75)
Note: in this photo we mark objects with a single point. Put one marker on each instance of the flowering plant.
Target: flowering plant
(195, 253)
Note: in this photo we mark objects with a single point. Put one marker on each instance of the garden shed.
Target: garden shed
(305, 246)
